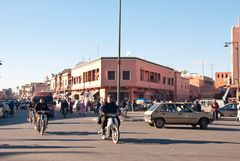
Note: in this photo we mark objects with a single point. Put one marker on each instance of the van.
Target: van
(206, 104)
(48, 99)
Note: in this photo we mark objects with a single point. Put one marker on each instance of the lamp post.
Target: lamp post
(119, 55)
(236, 47)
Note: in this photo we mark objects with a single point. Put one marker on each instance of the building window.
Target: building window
(172, 81)
(218, 75)
(142, 75)
(126, 75)
(164, 80)
(111, 75)
(169, 81)
(159, 77)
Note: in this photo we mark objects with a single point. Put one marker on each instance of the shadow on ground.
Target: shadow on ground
(208, 129)
(72, 133)
(169, 141)
(8, 154)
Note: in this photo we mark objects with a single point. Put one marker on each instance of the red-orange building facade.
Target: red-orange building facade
(139, 78)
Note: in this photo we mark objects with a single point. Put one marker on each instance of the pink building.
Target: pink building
(139, 78)
(28, 89)
(182, 88)
(223, 79)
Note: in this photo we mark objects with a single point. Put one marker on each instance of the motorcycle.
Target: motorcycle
(112, 129)
(42, 122)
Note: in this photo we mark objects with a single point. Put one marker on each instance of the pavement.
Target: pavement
(75, 138)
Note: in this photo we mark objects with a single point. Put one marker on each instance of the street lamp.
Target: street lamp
(119, 55)
(236, 47)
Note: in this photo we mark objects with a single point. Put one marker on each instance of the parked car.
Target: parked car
(160, 114)
(229, 110)
(4, 109)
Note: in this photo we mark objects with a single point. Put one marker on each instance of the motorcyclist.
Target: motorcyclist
(30, 109)
(41, 105)
(109, 107)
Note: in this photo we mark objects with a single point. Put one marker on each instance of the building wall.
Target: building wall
(223, 79)
(235, 58)
(83, 83)
(182, 88)
(142, 79)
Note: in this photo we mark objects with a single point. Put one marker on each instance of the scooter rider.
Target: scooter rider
(109, 107)
(41, 105)
(30, 109)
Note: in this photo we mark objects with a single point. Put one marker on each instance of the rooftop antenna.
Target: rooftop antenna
(89, 57)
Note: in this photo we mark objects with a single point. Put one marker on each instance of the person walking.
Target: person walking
(82, 108)
(197, 106)
(214, 109)
(238, 112)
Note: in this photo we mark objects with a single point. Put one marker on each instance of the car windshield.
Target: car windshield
(47, 99)
(153, 107)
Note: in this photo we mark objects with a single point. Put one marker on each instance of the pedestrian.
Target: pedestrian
(197, 106)
(82, 108)
(238, 112)
(214, 109)
(11, 106)
(17, 104)
(134, 105)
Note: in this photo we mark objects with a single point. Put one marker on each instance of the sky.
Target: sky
(41, 37)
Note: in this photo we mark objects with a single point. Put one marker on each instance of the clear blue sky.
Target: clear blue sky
(40, 37)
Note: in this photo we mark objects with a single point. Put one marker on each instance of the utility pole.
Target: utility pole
(119, 55)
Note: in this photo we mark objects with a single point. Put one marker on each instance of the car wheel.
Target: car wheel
(203, 123)
(159, 123)
(151, 124)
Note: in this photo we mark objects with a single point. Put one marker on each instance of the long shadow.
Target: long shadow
(237, 125)
(130, 132)
(208, 129)
(7, 146)
(13, 128)
(169, 141)
(40, 140)
(227, 119)
(72, 133)
(2, 154)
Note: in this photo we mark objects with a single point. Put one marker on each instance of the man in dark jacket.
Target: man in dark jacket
(109, 107)
(40, 106)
